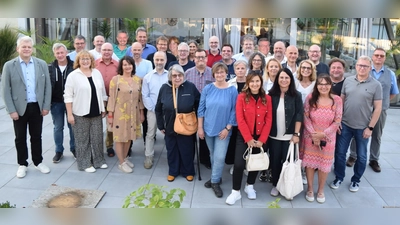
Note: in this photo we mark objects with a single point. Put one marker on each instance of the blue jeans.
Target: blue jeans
(342, 144)
(58, 112)
(218, 150)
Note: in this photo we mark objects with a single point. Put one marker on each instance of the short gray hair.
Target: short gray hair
(183, 44)
(24, 39)
(248, 37)
(56, 46)
(240, 61)
(177, 68)
(140, 29)
(364, 57)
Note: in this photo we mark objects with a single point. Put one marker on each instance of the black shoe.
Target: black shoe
(73, 153)
(375, 166)
(263, 176)
(110, 152)
(208, 183)
(57, 157)
(217, 190)
(129, 153)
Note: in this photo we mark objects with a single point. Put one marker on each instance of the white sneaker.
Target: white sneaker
(21, 172)
(251, 193)
(130, 164)
(231, 170)
(104, 166)
(43, 168)
(304, 177)
(233, 197)
(274, 192)
(124, 167)
(90, 170)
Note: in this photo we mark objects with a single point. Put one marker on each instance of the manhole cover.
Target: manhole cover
(70, 199)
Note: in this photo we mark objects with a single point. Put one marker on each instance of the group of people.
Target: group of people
(253, 99)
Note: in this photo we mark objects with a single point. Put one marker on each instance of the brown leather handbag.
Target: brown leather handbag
(185, 123)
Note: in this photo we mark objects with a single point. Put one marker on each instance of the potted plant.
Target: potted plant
(8, 45)
(154, 196)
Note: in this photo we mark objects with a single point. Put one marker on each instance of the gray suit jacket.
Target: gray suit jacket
(14, 87)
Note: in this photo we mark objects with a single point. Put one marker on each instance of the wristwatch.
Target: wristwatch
(370, 128)
(226, 128)
(296, 134)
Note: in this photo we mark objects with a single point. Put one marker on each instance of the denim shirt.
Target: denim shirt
(294, 112)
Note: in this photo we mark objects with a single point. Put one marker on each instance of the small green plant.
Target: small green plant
(105, 29)
(154, 196)
(8, 45)
(274, 204)
(6, 205)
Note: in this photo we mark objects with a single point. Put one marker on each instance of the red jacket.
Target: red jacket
(252, 113)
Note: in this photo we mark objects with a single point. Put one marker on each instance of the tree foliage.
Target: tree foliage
(8, 44)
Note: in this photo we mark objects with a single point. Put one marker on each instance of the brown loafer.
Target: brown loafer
(170, 178)
(189, 178)
(350, 161)
(375, 166)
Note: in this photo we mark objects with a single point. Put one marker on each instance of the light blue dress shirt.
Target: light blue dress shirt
(28, 70)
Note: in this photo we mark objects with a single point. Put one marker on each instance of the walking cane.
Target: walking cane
(197, 156)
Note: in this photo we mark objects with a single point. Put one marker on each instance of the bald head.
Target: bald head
(213, 42)
(314, 54)
(292, 53)
(106, 51)
(137, 50)
(160, 58)
(279, 50)
(98, 41)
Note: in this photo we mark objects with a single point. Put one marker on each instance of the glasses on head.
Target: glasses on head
(174, 76)
(305, 68)
(379, 56)
(362, 66)
(324, 84)
(84, 59)
(200, 57)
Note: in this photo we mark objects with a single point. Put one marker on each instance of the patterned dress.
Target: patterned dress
(126, 102)
(324, 118)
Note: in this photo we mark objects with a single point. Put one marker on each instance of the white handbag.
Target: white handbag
(290, 182)
(256, 162)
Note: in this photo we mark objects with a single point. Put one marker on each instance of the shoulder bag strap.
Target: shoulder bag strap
(174, 99)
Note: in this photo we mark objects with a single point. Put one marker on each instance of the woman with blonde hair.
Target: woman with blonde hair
(306, 76)
(270, 72)
(85, 97)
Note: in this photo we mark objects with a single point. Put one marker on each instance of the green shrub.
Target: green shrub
(274, 204)
(154, 196)
(6, 205)
(8, 45)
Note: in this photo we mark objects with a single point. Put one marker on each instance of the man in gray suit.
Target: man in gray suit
(26, 90)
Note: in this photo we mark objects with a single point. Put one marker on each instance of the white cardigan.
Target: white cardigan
(78, 91)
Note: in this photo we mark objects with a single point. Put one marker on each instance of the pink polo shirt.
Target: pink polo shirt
(107, 71)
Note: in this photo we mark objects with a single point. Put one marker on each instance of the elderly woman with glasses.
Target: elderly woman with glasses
(179, 147)
(85, 97)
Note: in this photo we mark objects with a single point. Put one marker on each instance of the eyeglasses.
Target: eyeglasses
(378, 55)
(314, 52)
(176, 76)
(183, 51)
(79, 43)
(257, 60)
(362, 66)
(84, 59)
(324, 84)
(200, 57)
(305, 68)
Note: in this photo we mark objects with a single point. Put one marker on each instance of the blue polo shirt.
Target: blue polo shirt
(147, 50)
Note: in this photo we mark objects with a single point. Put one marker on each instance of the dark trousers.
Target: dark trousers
(240, 163)
(204, 152)
(33, 120)
(180, 154)
(144, 125)
(278, 151)
(230, 154)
